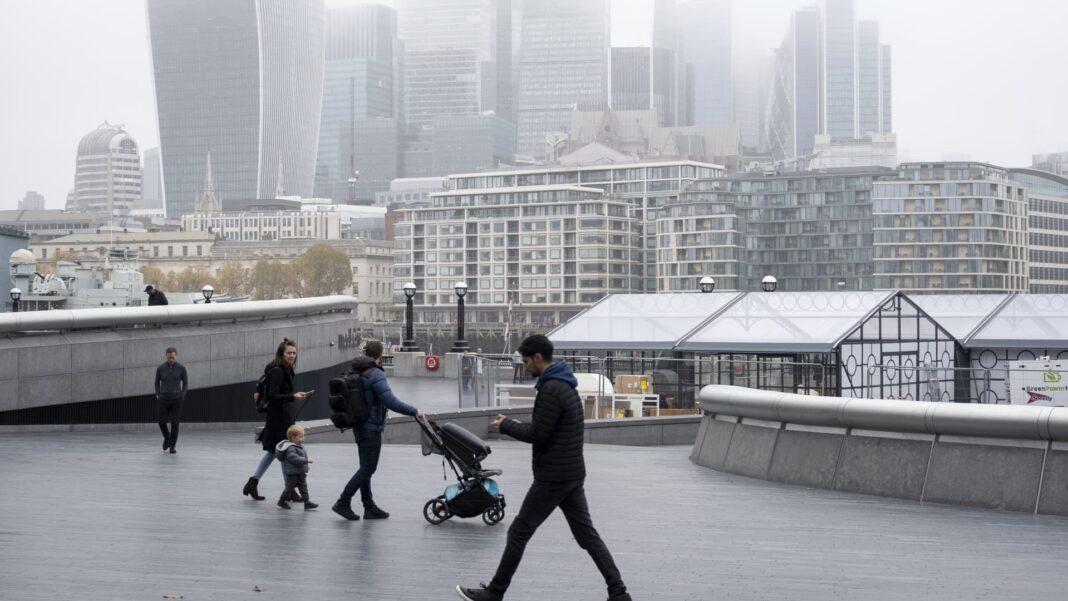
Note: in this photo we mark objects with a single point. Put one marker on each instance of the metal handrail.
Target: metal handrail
(74, 319)
(924, 417)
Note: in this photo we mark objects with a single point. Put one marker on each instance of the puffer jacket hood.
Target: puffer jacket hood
(559, 370)
(359, 364)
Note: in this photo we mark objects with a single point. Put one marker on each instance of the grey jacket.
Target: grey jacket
(293, 457)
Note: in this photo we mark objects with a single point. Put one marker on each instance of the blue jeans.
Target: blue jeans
(369, 445)
(265, 462)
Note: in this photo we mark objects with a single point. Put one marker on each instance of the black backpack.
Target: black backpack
(261, 389)
(349, 404)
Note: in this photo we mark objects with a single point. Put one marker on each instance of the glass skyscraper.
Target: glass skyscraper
(705, 42)
(644, 79)
(361, 82)
(563, 66)
(793, 113)
(243, 80)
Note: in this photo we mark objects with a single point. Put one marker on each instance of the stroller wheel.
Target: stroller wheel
(436, 511)
(493, 515)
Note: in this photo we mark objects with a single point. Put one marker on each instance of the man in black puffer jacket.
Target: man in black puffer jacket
(556, 434)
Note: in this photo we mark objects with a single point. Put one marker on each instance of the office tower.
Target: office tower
(452, 58)
(242, 80)
(1056, 162)
(33, 201)
(563, 66)
(705, 42)
(151, 181)
(793, 112)
(752, 69)
(644, 79)
(886, 89)
(107, 178)
(361, 83)
(839, 69)
(951, 227)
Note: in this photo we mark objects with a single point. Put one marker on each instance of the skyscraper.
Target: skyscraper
(107, 179)
(705, 34)
(563, 66)
(793, 112)
(361, 82)
(151, 182)
(453, 55)
(243, 80)
(644, 79)
(839, 69)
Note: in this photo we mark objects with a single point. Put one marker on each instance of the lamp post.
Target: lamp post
(16, 294)
(208, 290)
(460, 346)
(769, 283)
(409, 334)
(707, 284)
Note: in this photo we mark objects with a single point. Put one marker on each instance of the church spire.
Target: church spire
(206, 201)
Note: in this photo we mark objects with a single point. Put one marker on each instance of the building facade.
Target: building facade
(50, 223)
(264, 226)
(242, 81)
(361, 82)
(33, 201)
(793, 116)
(107, 177)
(1056, 162)
(810, 230)
(533, 254)
(644, 79)
(564, 59)
(950, 227)
(705, 42)
(1047, 229)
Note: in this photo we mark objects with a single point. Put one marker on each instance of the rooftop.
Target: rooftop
(108, 516)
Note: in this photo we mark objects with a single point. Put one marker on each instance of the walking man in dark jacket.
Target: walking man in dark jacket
(172, 382)
(556, 433)
(155, 297)
(380, 399)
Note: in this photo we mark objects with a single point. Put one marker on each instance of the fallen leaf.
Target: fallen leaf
(173, 596)
(257, 589)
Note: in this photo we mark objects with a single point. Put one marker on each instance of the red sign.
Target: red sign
(431, 362)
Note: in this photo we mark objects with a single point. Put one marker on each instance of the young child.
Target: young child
(294, 466)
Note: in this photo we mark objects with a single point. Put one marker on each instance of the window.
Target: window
(170, 251)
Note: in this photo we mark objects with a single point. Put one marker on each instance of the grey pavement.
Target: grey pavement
(109, 516)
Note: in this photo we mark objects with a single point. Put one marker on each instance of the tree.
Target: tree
(233, 278)
(192, 279)
(272, 280)
(153, 275)
(323, 270)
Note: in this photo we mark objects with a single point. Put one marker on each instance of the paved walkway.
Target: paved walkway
(110, 517)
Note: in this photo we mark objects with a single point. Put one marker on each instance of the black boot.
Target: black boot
(250, 489)
(282, 502)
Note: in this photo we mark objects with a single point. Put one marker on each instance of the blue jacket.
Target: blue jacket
(293, 457)
(380, 399)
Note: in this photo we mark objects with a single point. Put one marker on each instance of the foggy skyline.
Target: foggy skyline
(972, 80)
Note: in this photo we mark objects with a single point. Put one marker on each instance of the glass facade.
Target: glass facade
(107, 180)
(361, 83)
(241, 80)
(812, 231)
(563, 64)
(793, 114)
(839, 70)
(950, 227)
(705, 42)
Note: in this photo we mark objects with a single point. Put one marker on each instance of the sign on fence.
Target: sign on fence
(1038, 383)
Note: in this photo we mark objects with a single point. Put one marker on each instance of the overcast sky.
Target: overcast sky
(973, 79)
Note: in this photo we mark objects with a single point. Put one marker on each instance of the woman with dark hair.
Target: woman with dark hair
(280, 416)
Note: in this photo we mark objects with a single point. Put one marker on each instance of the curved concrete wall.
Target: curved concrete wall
(92, 355)
(994, 456)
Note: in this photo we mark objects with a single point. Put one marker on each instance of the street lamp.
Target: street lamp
(16, 294)
(207, 291)
(460, 346)
(409, 334)
(707, 284)
(769, 283)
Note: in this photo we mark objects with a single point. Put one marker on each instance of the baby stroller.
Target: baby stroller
(475, 492)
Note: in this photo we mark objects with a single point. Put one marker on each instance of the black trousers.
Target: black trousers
(170, 411)
(541, 500)
(299, 482)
